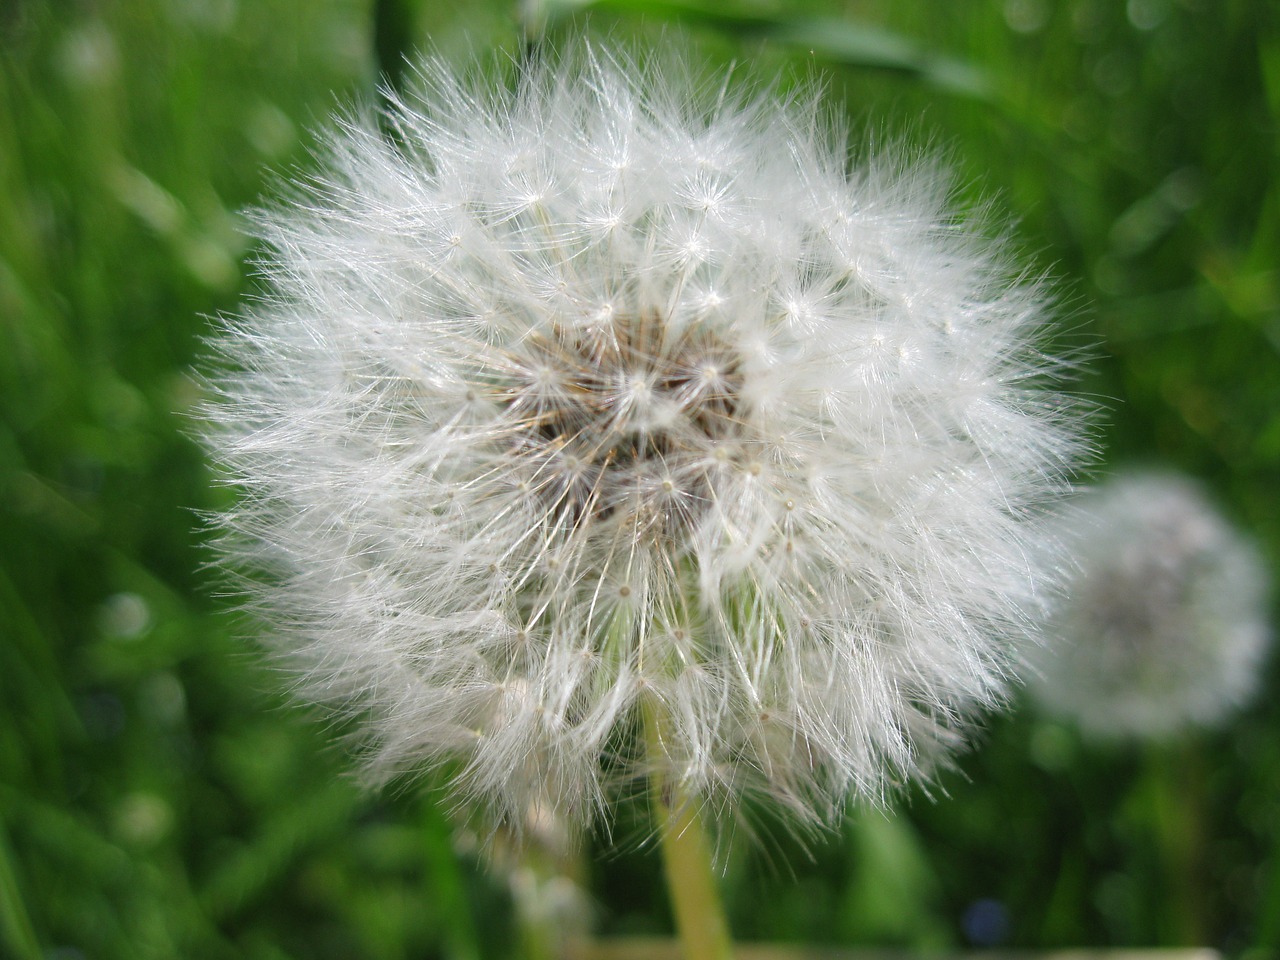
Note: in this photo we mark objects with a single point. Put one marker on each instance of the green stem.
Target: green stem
(1177, 789)
(686, 856)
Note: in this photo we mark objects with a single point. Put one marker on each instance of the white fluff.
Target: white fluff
(1165, 621)
(609, 387)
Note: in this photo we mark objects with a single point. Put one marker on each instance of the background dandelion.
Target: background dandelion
(1164, 625)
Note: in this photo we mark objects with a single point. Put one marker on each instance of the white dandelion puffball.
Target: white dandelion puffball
(606, 399)
(1165, 621)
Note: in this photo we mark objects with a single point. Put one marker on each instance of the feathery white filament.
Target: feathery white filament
(606, 388)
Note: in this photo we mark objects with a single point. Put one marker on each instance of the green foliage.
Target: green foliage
(157, 796)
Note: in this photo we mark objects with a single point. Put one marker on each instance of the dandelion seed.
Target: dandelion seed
(608, 393)
(1165, 621)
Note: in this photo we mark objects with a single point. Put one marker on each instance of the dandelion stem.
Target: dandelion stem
(692, 889)
(1176, 783)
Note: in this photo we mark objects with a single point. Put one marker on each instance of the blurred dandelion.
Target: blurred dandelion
(609, 424)
(1165, 624)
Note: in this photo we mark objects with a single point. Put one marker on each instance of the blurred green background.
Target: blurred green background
(157, 796)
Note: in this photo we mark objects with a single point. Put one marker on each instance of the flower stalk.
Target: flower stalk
(687, 858)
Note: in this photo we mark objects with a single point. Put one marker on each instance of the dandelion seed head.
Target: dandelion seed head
(1164, 624)
(608, 390)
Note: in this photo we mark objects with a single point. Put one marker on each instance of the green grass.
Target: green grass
(159, 799)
